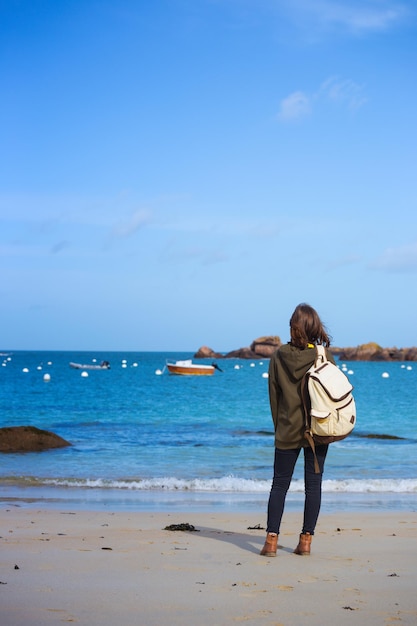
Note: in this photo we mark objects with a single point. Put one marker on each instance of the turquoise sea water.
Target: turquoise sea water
(141, 439)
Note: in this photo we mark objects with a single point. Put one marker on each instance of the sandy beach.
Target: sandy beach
(124, 569)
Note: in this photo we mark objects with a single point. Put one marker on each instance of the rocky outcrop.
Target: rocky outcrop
(261, 348)
(264, 347)
(29, 439)
(373, 352)
(241, 353)
(207, 353)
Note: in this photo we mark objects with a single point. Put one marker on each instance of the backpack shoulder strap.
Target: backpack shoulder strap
(321, 354)
(320, 359)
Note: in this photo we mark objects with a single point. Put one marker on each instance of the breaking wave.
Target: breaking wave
(226, 484)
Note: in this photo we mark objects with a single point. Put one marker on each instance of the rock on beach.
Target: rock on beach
(29, 439)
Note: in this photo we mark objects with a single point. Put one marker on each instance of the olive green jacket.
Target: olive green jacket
(286, 370)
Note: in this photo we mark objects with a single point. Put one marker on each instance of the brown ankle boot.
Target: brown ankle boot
(271, 544)
(304, 545)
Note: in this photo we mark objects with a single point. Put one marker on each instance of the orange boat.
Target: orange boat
(188, 368)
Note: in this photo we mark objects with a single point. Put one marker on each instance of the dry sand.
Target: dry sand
(124, 569)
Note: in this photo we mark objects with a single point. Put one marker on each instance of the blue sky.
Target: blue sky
(178, 173)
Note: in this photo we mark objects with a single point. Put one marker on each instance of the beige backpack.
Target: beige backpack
(329, 406)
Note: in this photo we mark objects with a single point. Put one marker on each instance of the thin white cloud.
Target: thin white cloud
(402, 259)
(224, 226)
(206, 242)
(358, 17)
(295, 106)
(128, 227)
(363, 16)
(343, 92)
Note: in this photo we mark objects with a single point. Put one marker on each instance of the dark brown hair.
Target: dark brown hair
(306, 327)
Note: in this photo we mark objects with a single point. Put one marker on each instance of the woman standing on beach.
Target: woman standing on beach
(286, 370)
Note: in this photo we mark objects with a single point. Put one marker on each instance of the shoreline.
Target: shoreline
(160, 500)
(105, 567)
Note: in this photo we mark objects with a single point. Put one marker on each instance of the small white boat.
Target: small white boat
(104, 365)
(188, 368)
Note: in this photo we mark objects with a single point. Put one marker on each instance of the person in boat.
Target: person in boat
(286, 370)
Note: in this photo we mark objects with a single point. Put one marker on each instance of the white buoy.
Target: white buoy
(385, 375)
(409, 367)
(158, 372)
(47, 377)
(265, 375)
(39, 367)
(134, 365)
(252, 364)
(351, 372)
(25, 369)
(84, 374)
(237, 367)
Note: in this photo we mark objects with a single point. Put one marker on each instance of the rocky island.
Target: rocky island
(374, 352)
(264, 347)
(261, 348)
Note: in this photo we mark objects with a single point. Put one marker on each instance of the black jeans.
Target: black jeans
(284, 465)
